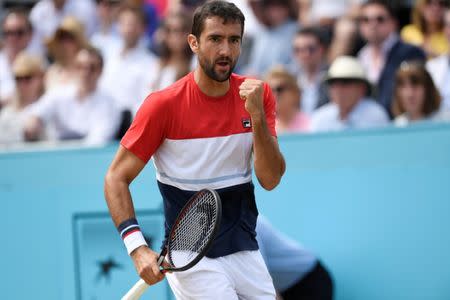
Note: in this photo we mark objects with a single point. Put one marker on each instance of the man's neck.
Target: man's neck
(84, 91)
(209, 86)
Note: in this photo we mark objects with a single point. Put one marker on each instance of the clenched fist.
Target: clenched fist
(251, 91)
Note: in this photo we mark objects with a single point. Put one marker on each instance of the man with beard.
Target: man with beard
(202, 132)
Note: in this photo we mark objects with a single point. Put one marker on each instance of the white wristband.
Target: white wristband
(134, 240)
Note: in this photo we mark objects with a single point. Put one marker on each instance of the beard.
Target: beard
(210, 68)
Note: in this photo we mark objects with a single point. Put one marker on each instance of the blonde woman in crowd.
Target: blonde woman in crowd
(427, 26)
(28, 71)
(416, 98)
(288, 96)
(63, 47)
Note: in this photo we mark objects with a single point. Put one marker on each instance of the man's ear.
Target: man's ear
(193, 43)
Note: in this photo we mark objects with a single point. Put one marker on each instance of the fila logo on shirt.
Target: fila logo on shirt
(246, 123)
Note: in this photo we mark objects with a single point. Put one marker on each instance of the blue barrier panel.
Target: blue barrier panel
(374, 206)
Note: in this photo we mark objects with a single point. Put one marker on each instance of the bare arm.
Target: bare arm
(124, 168)
(269, 162)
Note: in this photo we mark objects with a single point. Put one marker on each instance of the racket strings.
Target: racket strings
(193, 231)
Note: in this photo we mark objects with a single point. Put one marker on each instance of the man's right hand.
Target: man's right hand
(146, 263)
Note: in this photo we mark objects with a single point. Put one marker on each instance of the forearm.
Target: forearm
(118, 198)
(268, 160)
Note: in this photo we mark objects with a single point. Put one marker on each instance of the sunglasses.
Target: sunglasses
(17, 33)
(23, 79)
(378, 19)
(309, 49)
(436, 2)
(343, 81)
(279, 89)
(91, 68)
(65, 36)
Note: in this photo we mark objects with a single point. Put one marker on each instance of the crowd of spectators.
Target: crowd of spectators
(79, 69)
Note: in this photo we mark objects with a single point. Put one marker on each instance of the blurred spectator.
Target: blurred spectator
(384, 51)
(82, 112)
(127, 68)
(107, 35)
(427, 26)
(270, 47)
(175, 53)
(416, 98)
(309, 48)
(17, 33)
(287, 93)
(296, 272)
(47, 15)
(63, 47)
(439, 68)
(345, 39)
(349, 107)
(28, 71)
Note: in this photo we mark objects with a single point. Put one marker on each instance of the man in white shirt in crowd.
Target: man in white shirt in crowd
(349, 108)
(127, 67)
(439, 68)
(309, 47)
(107, 34)
(17, 36)
(46, 15)
(83, 112)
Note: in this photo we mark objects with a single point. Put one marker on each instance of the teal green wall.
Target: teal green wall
(374, 205)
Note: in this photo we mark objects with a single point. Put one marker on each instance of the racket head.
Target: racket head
(193, 231)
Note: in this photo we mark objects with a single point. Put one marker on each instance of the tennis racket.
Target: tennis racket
(190, 238)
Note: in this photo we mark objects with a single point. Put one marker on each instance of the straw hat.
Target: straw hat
(26, 64)
(69, 25)
(346, 67)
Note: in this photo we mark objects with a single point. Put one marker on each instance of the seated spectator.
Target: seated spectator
(287, 93)
(47, 15)
(82, 112)
(175, 54)
(127, 67)
(296, 272)
(349, 107)
(270, 46)
(426, 30)
(384, 51)
(107, 36)
(17, 35)
(309, 48)
(416, 98)
(28, 71)
(63, 48)
(439, 68)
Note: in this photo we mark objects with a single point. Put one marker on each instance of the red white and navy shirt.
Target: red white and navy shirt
(197, 142)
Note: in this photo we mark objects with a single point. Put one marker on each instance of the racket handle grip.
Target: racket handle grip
(136, 291)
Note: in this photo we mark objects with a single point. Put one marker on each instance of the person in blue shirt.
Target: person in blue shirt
(296, 272)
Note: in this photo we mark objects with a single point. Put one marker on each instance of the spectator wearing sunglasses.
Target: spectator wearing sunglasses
(17, 35)
(384, 51)
(416, 98)
(439, 68)
(350, 108)
(427, 26)
(309, 47)
(63, 47)
(287, 93)
(28, 71)
(82, 112)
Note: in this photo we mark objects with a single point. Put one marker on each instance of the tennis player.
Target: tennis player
(203, 132)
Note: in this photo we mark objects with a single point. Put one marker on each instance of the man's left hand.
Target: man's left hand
(251, 90)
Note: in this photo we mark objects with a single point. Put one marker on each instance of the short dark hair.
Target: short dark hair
(386, 5)
(137, 11)
(94, 52)
(19, 11)
(314, 31)
(217, 8)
